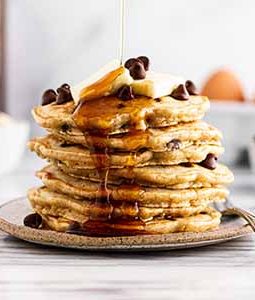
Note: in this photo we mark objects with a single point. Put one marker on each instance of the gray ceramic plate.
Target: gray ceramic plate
(13, 212)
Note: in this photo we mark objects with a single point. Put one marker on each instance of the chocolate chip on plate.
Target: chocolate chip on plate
(191, 88)
(125, 93)
(180, 93)
(174, 144)
(33, 220)
(137, 71)
(210, 162)
(48, 97)
(146, 62)
(64, 94)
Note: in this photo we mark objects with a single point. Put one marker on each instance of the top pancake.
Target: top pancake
(111, 115)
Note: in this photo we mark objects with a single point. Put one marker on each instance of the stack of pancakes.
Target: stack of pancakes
(140, 166)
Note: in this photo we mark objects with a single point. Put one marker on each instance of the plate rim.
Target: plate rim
(136, 243)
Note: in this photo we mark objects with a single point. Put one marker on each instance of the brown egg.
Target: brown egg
(223, 85)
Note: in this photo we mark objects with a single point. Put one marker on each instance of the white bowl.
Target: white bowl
(13, 137)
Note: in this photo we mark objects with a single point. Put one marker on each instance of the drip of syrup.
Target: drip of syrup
(102, 164)
(99, 153)
(122, 30)
(101, 87)
(107, 222)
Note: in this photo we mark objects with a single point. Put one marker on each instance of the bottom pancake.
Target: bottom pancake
(209, 219)
(61, 212)
(45, 201)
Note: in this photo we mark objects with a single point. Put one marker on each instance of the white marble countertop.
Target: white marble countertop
(224, 271)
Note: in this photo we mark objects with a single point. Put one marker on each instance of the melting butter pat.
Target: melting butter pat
(112, 76)
(104, 82)
(156, 85)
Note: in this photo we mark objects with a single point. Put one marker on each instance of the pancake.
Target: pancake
(155, 139)
(208, 220)
(59, 212)
(172, 177)
(46, 201)
(51, 148)
(105, 114)
(60, 182)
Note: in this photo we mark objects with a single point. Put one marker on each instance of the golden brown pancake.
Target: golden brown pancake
(54, 203)
(155, 139)
(106, 115)
(59, 212)
(172, 177)
(51, 148)
(60, 182)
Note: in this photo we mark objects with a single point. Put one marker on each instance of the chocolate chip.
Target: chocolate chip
(174, 144)
(49, 175)
(191, 88)
(125, 126)
(73, 226)
(48, 97)
(33, 220)
(186, 164)
(180, 93)
(149, 120)
(169, 217)
(142, 150)
(65, 86)
(65, 144)
(121, 105)
(64, 95)
(137, 71)
(210, 162)
(146, 62)
(130, 62)
(157, 99)
(65, 127)
(125, 93)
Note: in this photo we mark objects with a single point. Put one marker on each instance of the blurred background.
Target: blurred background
(46, 43)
